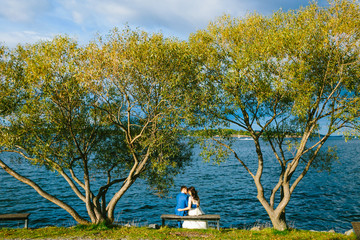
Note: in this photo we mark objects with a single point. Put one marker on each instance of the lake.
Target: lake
(322, 201)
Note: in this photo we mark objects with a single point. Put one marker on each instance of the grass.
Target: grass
(104, 232)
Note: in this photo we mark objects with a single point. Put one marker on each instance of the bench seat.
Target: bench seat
(15, 216)
(205, 217)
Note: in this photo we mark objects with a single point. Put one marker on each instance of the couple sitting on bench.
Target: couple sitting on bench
(188, 204)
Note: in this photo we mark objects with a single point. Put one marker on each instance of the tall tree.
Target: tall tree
(49, 108)
(132, 73)
(73, 122)
(276, 77)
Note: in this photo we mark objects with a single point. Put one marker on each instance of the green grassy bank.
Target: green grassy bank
(96, 232)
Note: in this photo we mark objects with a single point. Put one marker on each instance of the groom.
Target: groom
(181, 202)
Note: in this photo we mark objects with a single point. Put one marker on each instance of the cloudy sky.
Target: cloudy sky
(27, 21)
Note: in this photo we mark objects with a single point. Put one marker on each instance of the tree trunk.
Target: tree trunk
(102, 218)
(111, 206)
(279, 221)
(277, 216)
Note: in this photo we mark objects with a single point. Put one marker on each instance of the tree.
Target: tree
(132, 72)
(73, 122)
(37, 128)
(278, 77)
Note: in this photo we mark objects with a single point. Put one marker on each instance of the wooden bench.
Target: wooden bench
(356, 227)
(205, 217)
(16, 216)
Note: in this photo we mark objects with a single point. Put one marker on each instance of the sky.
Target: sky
(28, 21)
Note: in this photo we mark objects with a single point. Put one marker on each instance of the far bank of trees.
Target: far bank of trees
(122, 105)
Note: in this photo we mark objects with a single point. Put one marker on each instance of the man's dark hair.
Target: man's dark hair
(183, 187)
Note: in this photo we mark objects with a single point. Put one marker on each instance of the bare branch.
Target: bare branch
(235, 155)
(104, 189)
(275, 189)
(58, 168)
(81, 184)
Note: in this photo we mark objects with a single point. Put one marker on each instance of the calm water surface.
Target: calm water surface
(322, 201)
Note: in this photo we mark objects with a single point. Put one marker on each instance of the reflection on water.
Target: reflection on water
(322, 201)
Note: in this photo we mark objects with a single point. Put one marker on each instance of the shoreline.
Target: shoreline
(132, 232)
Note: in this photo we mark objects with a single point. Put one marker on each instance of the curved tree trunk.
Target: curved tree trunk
(44, 194)
(111, 206)
(277, 216)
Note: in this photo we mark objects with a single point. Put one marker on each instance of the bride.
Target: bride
(194, 210)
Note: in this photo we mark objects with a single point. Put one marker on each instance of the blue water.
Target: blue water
(322, 201)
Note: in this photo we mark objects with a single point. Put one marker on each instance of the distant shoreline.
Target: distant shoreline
(287, 136)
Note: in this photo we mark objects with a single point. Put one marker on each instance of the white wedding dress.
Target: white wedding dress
(194, 224)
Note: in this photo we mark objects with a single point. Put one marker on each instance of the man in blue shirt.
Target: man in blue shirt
(181, 202)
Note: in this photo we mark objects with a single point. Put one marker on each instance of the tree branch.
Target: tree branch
(235, 155)
(43, 193)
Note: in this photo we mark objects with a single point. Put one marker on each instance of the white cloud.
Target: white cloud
(177, 16)
(13, 38)
(22, 10)
(77, 17)
(84, 18)
(114, 12)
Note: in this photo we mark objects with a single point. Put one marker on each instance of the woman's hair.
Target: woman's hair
(194, 193)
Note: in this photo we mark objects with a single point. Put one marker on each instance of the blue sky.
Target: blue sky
(28, 21)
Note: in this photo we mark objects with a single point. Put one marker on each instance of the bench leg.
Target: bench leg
(163, 223)
(218, 225)
(26, 223)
